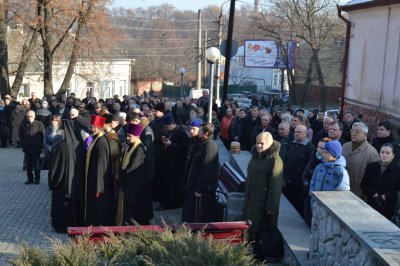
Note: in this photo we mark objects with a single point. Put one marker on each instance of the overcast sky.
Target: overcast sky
(193, 5)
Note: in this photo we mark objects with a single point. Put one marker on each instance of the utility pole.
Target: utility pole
(198, 69)
(205, 79)
(229, 48)
(218, 66)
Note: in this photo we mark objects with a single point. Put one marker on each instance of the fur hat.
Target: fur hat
(334, 148)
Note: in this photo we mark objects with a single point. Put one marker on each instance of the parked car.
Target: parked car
(332, 113)
(233, 96)
(285, 98)
(243, 102)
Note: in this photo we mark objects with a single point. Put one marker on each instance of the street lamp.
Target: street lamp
(182, 71)
(212, 55)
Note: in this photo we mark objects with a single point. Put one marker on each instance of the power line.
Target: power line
(148, 29)
(162, 20)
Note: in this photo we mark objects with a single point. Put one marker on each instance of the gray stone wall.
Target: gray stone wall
(346, 231)
(333, 244)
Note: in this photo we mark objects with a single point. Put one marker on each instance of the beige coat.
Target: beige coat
(357, 160)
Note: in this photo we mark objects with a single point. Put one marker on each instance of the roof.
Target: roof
(363, 4)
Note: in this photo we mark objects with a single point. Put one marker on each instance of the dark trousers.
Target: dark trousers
(199, 209)
(3, 140)
(32, 161)
(295, 195)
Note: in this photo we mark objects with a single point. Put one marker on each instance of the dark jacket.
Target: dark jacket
(257, 130)
(387, 183)
(318, 136)
(17, 117)
(204, 171)
(32, 137)
(263, 190)
(183, 113)
(296, 161)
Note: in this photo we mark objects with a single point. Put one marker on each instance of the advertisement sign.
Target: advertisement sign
(267, 54)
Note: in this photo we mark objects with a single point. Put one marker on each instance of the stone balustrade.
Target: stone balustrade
(346, 231)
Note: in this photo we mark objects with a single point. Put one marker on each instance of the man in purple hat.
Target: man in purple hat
(99, 208)
(175, 145)
(134, 201)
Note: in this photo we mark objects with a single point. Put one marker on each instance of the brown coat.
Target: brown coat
(357, 161)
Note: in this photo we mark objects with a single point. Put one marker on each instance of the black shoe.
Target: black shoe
(28, 182)
(37, 182)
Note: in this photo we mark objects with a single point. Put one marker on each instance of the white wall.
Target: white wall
(108, 78)
(374, 64)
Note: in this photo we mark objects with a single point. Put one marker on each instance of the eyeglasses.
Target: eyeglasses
(355, 131)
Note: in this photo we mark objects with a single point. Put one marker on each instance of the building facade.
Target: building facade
(373, 76)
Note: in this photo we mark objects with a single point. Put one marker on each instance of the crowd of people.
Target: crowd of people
(110, 160)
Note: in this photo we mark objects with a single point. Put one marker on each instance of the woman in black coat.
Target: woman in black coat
(381, 182)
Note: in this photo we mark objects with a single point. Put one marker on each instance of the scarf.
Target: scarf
(121, 196)
(87, 168)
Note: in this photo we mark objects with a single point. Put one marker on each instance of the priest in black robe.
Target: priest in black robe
(173, 183)
(135, 201)
(100, 205)
(66, 171)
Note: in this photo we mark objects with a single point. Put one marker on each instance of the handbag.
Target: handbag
(396, 216)
(269, 244)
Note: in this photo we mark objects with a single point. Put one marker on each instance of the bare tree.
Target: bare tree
(4, 83)
(313, 22)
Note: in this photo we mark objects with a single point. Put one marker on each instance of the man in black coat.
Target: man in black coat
(200, 199)
(31, 134)
(183, 111)
(158, 149)
(264, 127)
(99, 184)
(323, 133)
(175, 145)
(297, 158)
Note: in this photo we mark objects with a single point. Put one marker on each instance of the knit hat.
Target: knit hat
(159, 107)
(97, 121)
(196, 123)
(135, 129)
(167, 120)
(334, 148)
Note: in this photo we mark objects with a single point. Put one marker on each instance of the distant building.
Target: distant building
(373, 75)
(266, 79)
(103, 77)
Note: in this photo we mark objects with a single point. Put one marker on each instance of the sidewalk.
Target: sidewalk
(25, 209)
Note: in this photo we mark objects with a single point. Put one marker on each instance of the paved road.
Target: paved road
(25, 209)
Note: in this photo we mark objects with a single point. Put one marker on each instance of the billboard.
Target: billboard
(267, 54)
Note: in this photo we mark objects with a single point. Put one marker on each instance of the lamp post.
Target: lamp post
(212, 55)
(182, 71)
